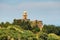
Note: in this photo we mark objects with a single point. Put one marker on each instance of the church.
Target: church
(25, 21)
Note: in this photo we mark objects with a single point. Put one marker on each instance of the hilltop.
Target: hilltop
(24, 29)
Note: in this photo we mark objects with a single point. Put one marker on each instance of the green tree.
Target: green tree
(7, 24)
(2, 24)
(50, 29)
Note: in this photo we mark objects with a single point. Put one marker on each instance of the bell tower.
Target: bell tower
(25, 15)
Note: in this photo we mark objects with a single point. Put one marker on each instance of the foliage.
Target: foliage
(26, 30)
(43, 36)
(51, 29)
(53, 36)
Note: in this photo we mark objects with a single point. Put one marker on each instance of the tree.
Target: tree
(7, 24)
(50, 29)
(2, 24)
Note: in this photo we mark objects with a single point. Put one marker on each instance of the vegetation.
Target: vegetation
(28, 31)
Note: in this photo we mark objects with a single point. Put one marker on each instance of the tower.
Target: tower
(25, 15)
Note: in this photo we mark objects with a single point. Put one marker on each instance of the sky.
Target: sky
(46, 10)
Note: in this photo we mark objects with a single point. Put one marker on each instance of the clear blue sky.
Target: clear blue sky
(46, 10)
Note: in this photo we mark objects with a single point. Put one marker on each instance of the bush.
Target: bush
(53, 36)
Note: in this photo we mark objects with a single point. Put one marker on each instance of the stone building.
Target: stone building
(25, 20)
(37, 23)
